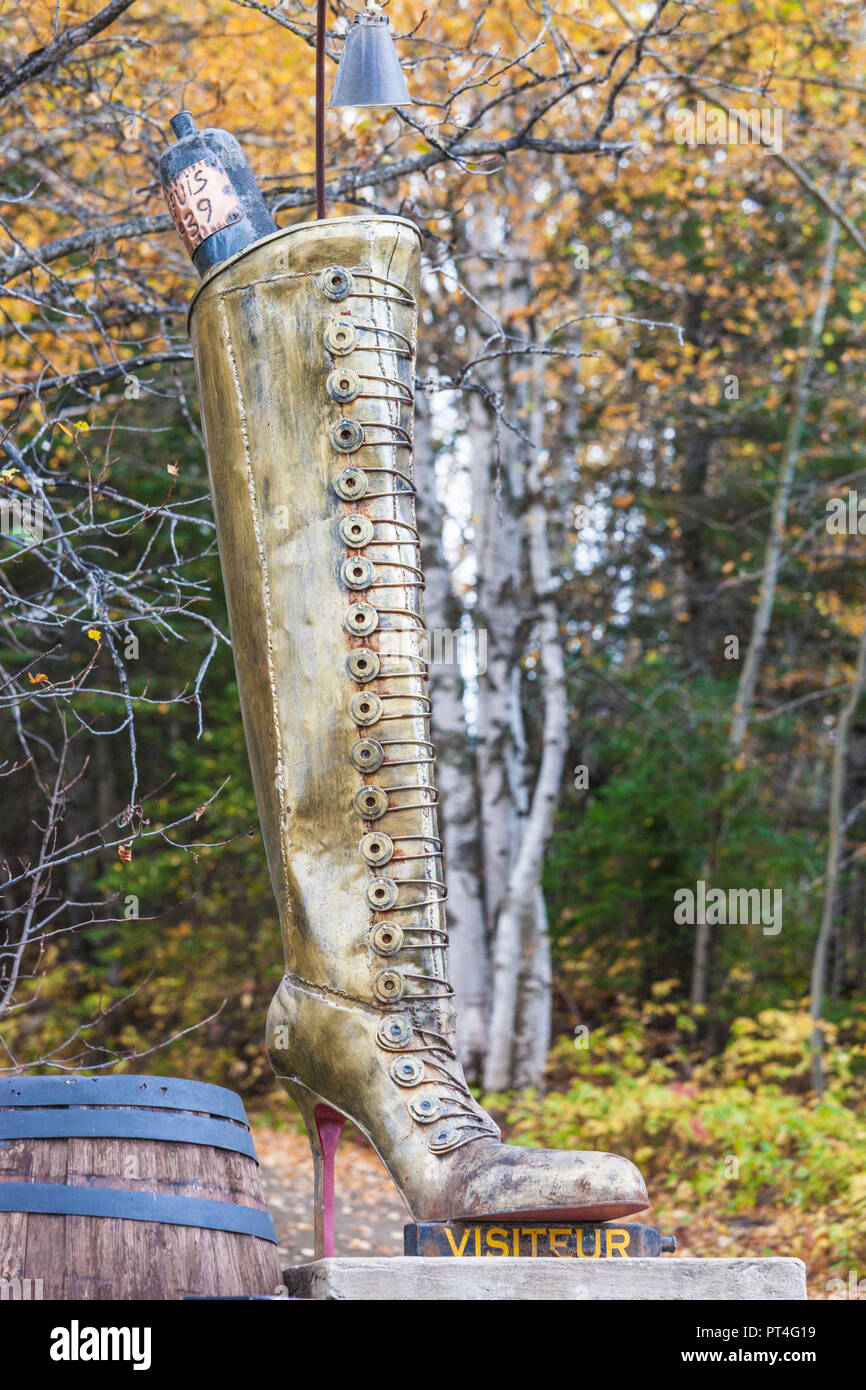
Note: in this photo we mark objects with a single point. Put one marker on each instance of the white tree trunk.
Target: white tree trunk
(498, 551)
(534, 1005)
(456, 775)
(518, 917)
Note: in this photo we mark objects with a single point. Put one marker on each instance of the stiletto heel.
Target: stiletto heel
(329, 1126)
(324, 1126)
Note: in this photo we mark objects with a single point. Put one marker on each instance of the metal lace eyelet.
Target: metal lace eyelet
(386, 938)
(340, 337)
(346, 436)
(363, 664)
(335, 282)
(394, 1033)
(351, 483)
(389, 986)
(356, 530)
(370, 802)
(376, 848)
(425, 1109)
(381, 893)
(356, 573)
(367, 755)
(444, 1139)
(365, 709)
(361, 620)
(343, 385)
(406, 1071)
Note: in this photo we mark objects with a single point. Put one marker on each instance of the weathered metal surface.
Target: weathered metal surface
(369, 73)
(211, 193)
(334, 695)
(535, 1240)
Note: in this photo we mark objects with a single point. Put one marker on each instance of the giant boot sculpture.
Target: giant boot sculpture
(305, 352)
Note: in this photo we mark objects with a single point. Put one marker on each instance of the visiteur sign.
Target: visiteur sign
(534, 1239)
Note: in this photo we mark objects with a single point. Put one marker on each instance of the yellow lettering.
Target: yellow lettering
(557, 1233)
(455, 1250)
(620, 1239)
(594, 1254)
(533, 1233)
(515, 1236)
(478, 1240)
(500, 1245)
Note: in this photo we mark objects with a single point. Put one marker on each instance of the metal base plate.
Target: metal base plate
(534, 1239)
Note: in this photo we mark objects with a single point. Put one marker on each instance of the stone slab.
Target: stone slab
(506, 1279)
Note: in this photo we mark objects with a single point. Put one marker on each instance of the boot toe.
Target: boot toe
(537, 1184)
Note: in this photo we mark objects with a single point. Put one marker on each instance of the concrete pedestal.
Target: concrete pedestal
(433, 1278)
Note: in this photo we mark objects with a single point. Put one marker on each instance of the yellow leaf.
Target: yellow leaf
(94, 634)
(35, 680)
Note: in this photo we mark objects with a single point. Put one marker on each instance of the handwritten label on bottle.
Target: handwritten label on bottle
(202, 201)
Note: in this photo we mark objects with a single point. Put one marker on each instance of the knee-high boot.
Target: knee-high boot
(305, 348)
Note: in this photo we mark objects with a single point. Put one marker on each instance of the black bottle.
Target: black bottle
(211, 193)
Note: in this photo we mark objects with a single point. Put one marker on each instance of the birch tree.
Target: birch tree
(456, 765)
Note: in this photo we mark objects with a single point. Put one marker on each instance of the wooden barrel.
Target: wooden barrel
(130, 1187)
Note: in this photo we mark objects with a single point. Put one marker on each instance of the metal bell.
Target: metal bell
(369, 73)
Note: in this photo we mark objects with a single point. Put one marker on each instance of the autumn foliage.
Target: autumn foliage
(641, 365)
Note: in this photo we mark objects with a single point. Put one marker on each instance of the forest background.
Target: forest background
(640, 471)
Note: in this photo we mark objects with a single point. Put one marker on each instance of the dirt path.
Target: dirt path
(369, 1212)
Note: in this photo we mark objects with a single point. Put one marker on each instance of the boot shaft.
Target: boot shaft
(305, 354)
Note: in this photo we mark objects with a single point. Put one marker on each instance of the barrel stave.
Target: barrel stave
(104, 1258)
